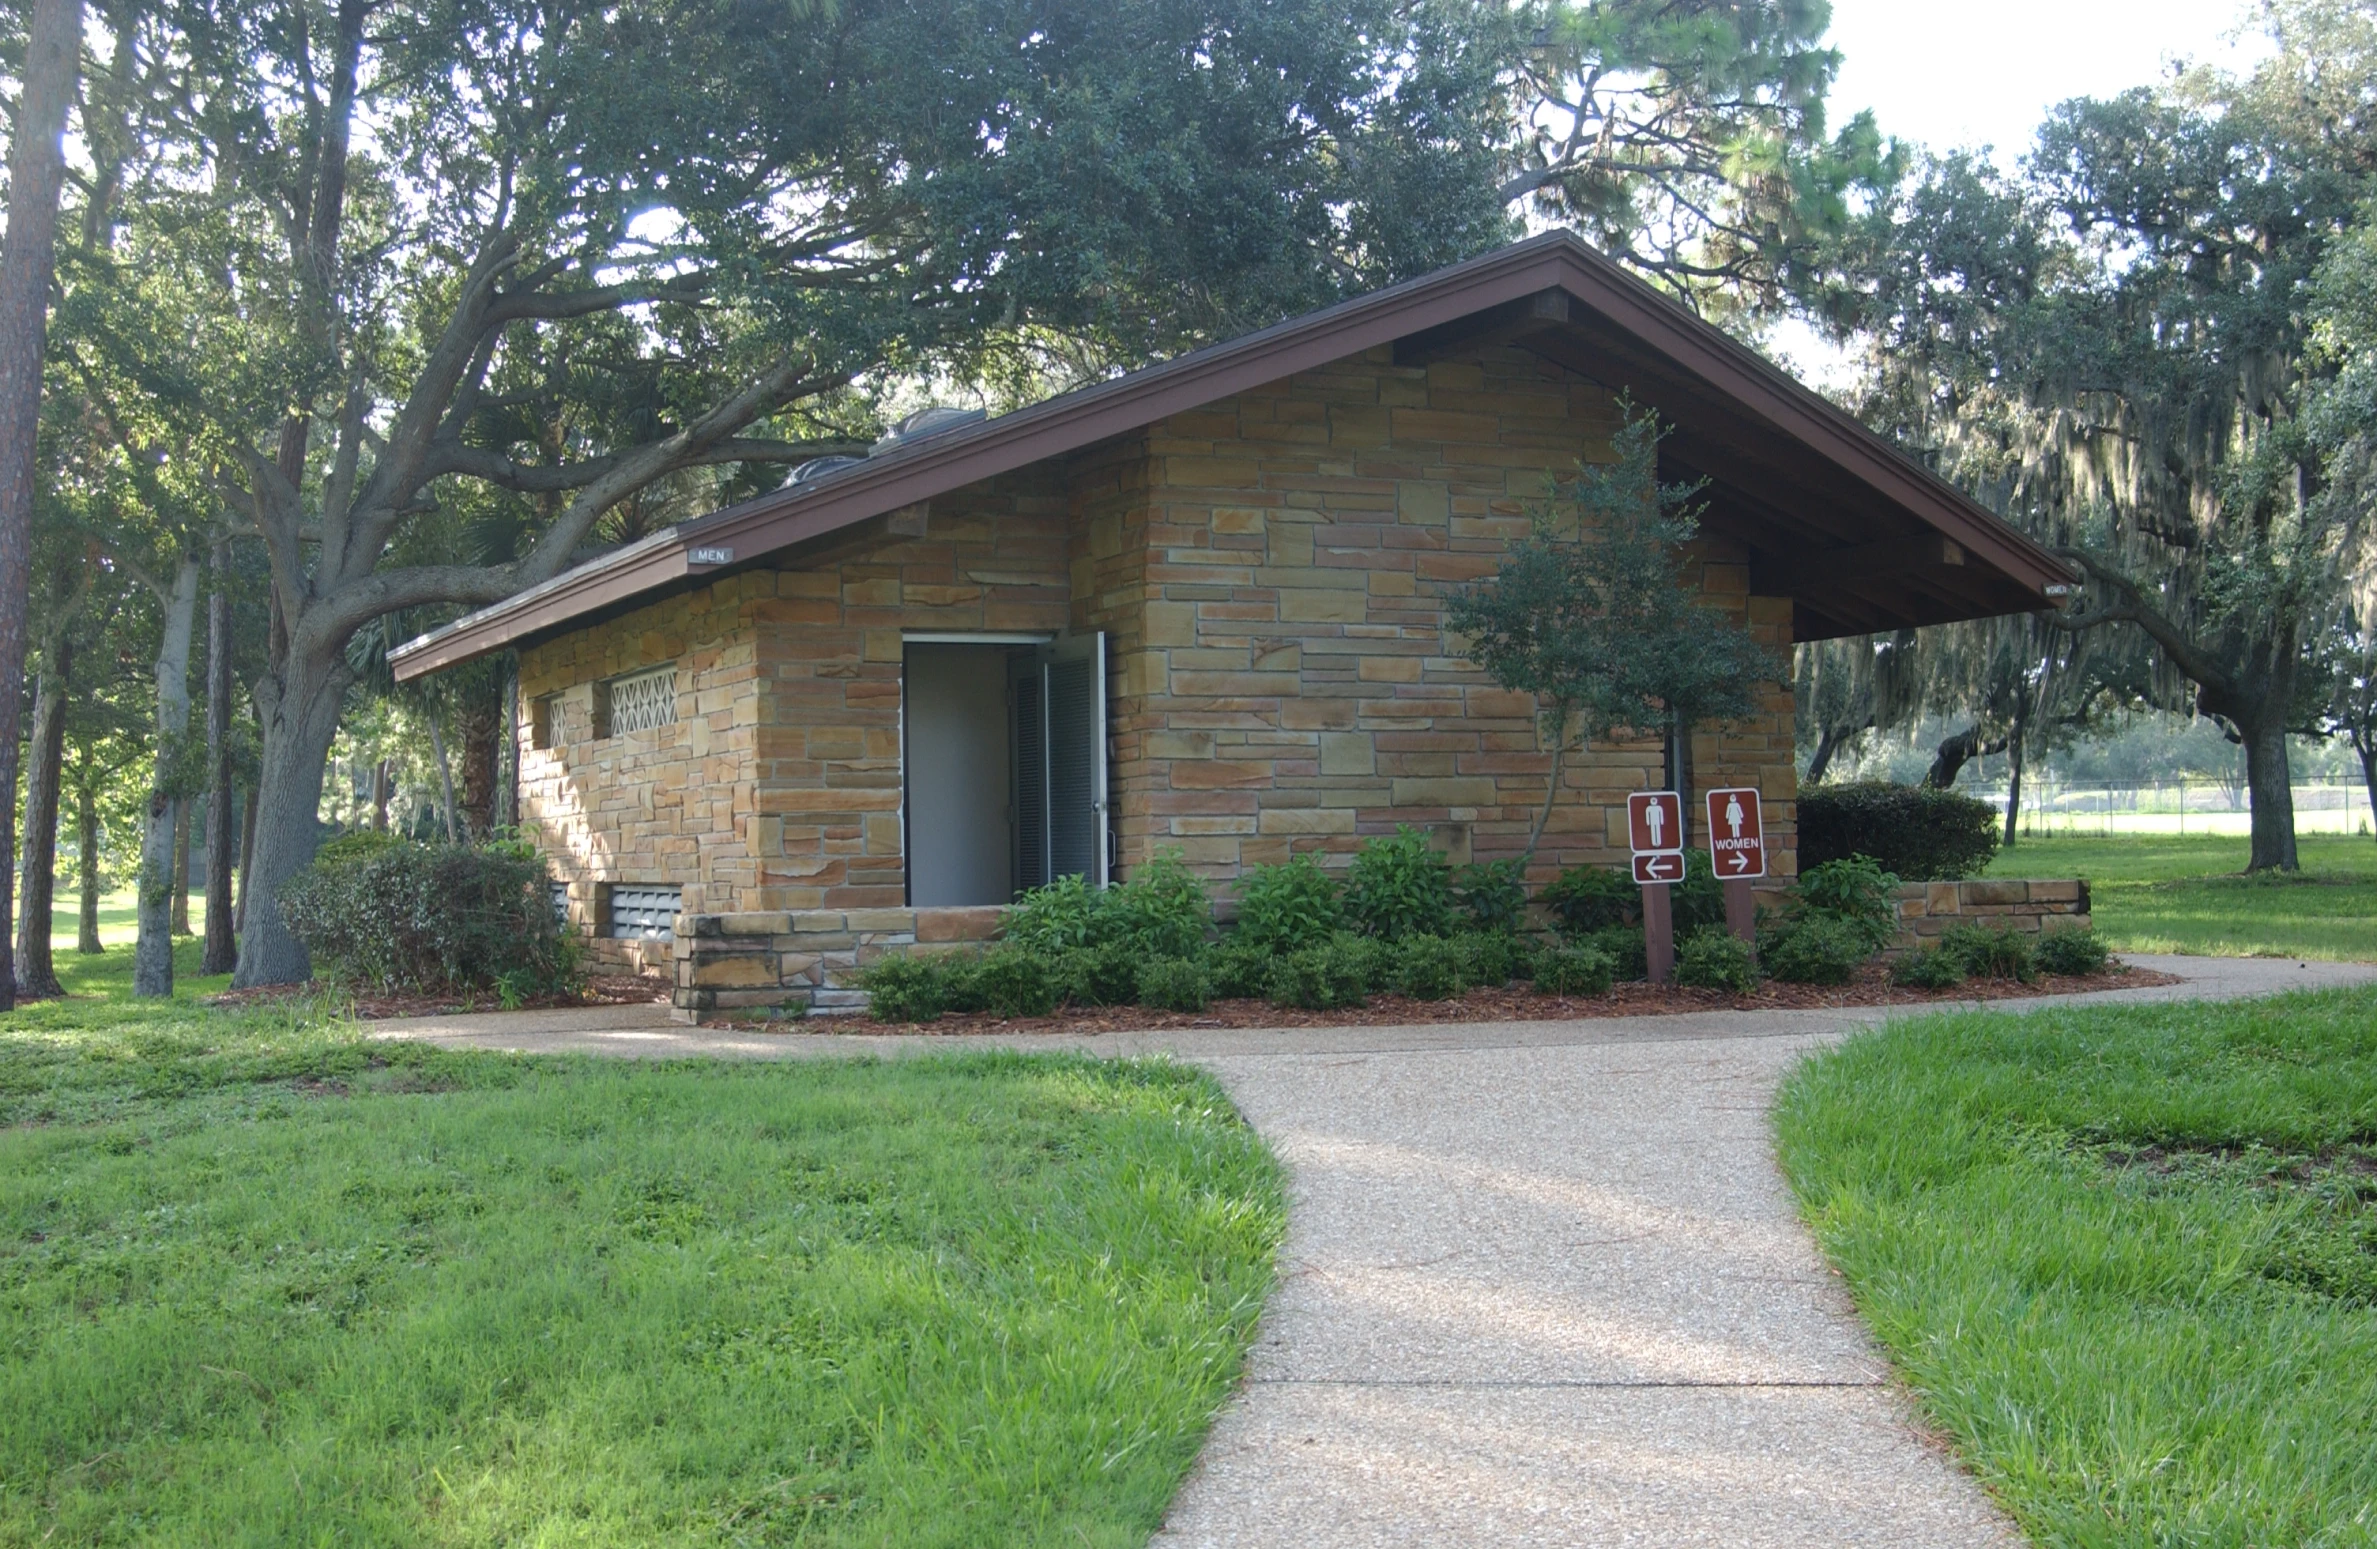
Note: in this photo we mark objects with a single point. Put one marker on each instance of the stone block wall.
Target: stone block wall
(811, 958)
(1926, 910)
(1273, 574)
(664, 806)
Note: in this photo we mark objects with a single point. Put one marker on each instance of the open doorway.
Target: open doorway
(1004, 753)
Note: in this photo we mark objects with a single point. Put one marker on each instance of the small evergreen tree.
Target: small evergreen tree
(1589, 616)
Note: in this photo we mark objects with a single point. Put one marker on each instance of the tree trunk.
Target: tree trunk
(299, 701)
(1830, 742)
(383, 787)
(184, 811)
(1953, 753)
(86, 866)
(2017, 749)
(2013, 789)
(152, 958)
(28, 259)
(1679, 775)
(36, 973)
(2366, 747)
(222, 942)
(2271, 780)
(445, 776)
(507, 812)
(481, 723)
(247, 855)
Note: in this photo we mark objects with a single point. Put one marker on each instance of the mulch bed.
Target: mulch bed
(1516, 1003)
(378, 1006)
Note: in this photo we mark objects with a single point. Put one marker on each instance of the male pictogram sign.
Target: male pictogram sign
(1656, 819)
(1736, 835)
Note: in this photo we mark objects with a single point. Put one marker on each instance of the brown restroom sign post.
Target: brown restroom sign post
(1655, 828)
(1737, 854)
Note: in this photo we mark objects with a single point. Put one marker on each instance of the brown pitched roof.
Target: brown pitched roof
(1859, 535)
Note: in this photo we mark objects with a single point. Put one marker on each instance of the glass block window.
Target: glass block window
(641, 701)
(641, 911)
(560, 895)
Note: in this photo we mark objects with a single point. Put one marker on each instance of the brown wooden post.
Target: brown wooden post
(1658, 932)
(1741, 912)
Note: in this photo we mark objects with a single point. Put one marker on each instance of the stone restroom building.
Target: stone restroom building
(1197, 607)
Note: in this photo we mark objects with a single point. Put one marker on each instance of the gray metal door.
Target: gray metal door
(1057, 705)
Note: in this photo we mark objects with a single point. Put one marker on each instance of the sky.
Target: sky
(1950, 74)
(1936, 73)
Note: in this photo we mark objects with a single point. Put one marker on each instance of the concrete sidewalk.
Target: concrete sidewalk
(1543, 1284)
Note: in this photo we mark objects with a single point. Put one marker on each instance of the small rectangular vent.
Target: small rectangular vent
(644, 912)
(641, 701)
(544, 721)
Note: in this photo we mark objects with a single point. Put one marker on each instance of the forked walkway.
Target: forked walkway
(1543, 1286)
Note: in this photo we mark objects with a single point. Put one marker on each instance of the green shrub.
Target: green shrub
(1927, 968)
(1162, 910)
(1320, 978)
(1991, 952)
(1060, 917)
(359, 845)
(1816, 949)
(1364, 958)
(1289, 907)
(1628, 953)
(1585, 900)
(1856, 893)
(1175, 984)
(1573, 970)
(1399, 887)
(1240, 969)
(907, 987)
(1488, 957)
(1105, 975)
(1698, 902)
(1494, 895)
(384, 914)
(2073, 951)
(1713, 958)
(1014, 981)
(1425, 968)
(1921, 834)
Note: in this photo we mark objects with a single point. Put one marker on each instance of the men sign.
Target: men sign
(1656, 822)
(1736, 835)
(1655, 825)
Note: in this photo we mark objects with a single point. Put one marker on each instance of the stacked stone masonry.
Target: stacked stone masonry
(1270, 572)
(1927, 910)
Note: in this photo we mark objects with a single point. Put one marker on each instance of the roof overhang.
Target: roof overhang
(1860, 536)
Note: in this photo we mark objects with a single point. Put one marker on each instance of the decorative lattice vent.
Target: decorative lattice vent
(640, 701)
(643, 912)
(559, 892)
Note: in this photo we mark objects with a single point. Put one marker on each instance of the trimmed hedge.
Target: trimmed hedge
(1923, 835)
(381, 913)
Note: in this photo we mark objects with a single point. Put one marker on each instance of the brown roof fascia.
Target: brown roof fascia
(1078, 419)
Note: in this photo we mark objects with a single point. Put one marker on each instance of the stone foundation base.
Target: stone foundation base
(1927, 909)
(809, 959)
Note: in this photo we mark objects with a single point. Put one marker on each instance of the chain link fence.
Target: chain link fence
(2107, 809)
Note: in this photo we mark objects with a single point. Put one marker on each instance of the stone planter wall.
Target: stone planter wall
(1927, 909)
(807, 957)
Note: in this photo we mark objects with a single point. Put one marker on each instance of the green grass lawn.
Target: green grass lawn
(2127, 1256)
(109, 974)
(263, 1282)
(2171, 894)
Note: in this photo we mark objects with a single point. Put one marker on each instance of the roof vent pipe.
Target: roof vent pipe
(937, 420)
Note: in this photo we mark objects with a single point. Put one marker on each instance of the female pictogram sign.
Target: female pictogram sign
(1736, 835)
